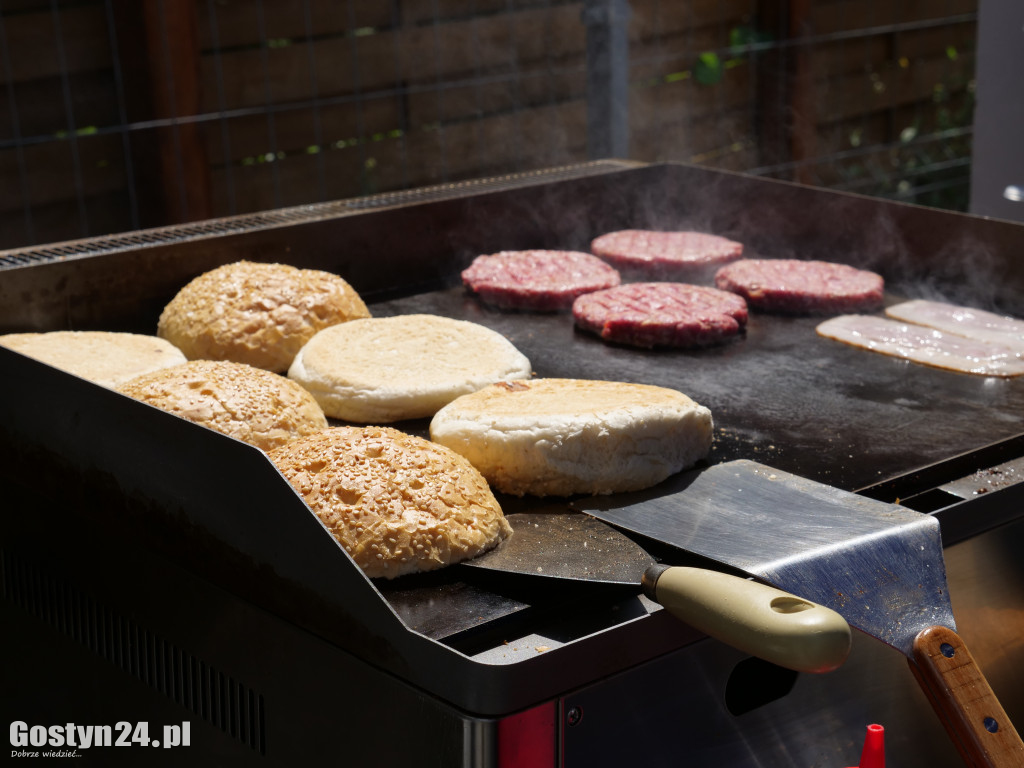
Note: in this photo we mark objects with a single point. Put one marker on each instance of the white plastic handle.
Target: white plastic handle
(752, 617)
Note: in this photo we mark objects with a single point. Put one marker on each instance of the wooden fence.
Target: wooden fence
(119, 114)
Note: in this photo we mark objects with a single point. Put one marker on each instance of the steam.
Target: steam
(921, 253)
(965, 272)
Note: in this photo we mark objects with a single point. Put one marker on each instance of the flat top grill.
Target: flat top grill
(780, 395)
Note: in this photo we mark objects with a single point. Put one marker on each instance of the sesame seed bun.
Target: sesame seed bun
(568, 436)
(397, 503)
(102, 357)
(258, 314)
(381, 370)
(253, 405)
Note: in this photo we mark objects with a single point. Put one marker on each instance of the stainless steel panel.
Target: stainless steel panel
(675, 711)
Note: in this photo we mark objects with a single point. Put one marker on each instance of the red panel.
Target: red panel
(529, 739)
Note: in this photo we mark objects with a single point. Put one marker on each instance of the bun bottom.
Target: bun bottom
(524, 444)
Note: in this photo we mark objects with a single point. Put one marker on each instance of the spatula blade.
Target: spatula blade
(569, 547)
(566, 545)
(878, 565)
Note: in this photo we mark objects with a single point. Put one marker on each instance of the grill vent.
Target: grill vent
(216, 698)
(98, 246)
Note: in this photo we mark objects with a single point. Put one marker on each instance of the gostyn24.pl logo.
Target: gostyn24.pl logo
(65, 740)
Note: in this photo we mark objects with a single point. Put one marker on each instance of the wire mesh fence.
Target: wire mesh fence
(118, 115)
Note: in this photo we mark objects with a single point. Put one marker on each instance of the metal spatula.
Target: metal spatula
(879, 565)
(755, 618)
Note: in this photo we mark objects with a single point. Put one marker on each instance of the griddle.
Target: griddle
(780, 395)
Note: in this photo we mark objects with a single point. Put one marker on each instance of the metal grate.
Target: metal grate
(202, 689)
(246, 223)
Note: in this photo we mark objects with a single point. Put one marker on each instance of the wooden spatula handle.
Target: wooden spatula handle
(964, 700)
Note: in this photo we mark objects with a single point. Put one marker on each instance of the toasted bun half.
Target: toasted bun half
(381, 370)
(253, 405)
(397, 503)
(258, 314)
(102, 357)
(568, 436)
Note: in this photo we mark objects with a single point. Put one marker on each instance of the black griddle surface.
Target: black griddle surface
(780, 394)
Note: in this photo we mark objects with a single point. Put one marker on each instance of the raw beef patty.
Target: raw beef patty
(684, 256)
(537, 280)
(661, 314)
(794, 286)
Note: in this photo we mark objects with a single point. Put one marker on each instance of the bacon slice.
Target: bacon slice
(963, 321)
(924, 345)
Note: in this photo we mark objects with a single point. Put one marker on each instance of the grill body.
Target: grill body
(143, 587)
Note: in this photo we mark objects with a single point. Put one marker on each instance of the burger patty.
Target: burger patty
(794, 286)
(661, 314)
(537, 280)
(666, 255)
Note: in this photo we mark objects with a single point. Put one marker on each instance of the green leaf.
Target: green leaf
(708, 69)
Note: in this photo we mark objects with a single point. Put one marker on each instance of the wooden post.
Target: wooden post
(158, 55)
(804, 139)
(786, 105)
(173, 64)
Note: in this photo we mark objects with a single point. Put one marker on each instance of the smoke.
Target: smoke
(963, 272)
(921, 252)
